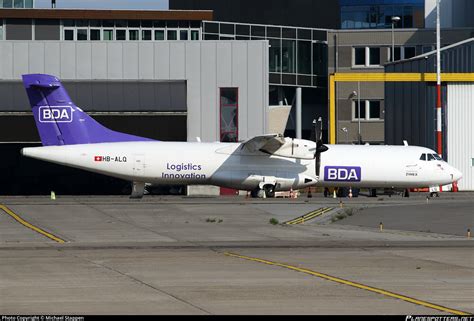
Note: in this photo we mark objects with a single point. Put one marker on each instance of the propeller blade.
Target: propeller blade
(320, 147)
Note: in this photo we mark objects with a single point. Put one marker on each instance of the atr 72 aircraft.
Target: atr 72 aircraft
(263, 164)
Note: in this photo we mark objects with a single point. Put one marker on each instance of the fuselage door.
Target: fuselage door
(139, 165)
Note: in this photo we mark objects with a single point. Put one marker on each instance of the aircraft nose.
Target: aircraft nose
(457, 175)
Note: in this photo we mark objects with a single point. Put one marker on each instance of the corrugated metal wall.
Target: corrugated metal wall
(410, 106)
(205, 65)
(460, 129)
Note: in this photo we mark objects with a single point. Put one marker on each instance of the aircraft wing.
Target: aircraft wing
(267, 143)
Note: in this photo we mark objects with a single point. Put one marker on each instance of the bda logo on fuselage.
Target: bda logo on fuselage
(342, 174)
(58, 114)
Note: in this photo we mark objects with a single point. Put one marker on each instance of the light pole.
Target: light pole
(395, 19)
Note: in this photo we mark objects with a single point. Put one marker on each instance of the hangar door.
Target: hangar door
(460, 131)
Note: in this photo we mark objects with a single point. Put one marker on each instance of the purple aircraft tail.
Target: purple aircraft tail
(59, 121)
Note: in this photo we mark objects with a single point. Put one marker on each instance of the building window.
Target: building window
(146, 34)
(374, 54)
(356, 15)
(183, 35)
(108, 23)
(402, 53)
(359, 56)
(82, 23)
(172, 35)
(146, 24)
(134, 23)
(133, 35)
(397, 53)
(7, 3)
(369, 110)
(18, 4)
(304, 57)
(159, 35)
(82, 34)
(288, 63)
(366, 57)
(374, 110)
(95, 34)
(131, 30)
(121, 23)
(297, 56)
(357, 109)
(275, 55)
(1, 29)
(68, 34)
(427, 49)
(320, 59)
(121, 34)
(194, 34)
(108, 34)
(229, 115)
(409, 52)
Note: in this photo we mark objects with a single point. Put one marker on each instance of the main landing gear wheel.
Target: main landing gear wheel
(254, 193)
(406, 193)
(434, 194)
(269, 190)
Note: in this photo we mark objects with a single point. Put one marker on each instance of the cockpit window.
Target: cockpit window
(430, 157)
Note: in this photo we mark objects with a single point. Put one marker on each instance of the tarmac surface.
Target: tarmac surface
(185, 255)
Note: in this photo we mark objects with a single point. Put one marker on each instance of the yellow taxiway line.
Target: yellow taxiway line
(353, 284)
(309, 216)
(30, 226)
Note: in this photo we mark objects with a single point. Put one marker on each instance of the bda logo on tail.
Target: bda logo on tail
(58, 114)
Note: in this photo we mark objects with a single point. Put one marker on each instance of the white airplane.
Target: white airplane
(263, 164)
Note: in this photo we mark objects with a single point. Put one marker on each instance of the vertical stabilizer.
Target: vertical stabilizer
(59, 121)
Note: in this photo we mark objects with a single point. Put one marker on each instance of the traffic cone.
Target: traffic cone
(455, 187)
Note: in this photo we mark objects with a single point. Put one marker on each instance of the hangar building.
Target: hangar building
(410, 106)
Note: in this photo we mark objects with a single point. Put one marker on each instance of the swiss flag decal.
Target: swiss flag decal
(98, 158)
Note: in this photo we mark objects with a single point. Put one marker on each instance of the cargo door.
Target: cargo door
(139, 165)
